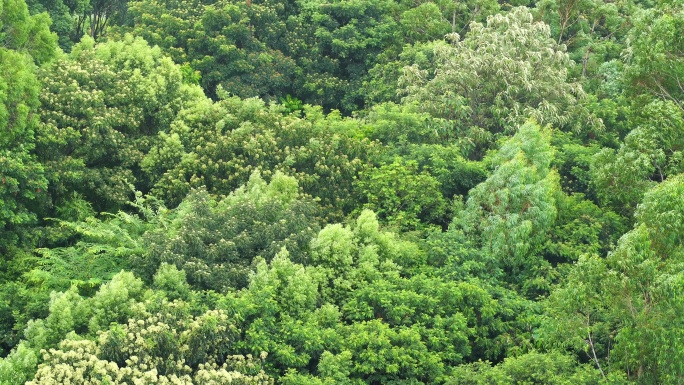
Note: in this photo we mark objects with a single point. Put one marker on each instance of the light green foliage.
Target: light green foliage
(381, 84)
(281, 189)
(662, 214)
(646, 309)
(24, 40)
(156, 19)
(618, 310)
(66, 315)
(115, 301)
(532, 368)
(18, 366)
(577, 313)
(71, 315)
(336, 368)
(540, 134)
(102, 106)
(103, 248)
(283, 315)
(457, 320)
(403, 197)
(511, 212)
(137, 339)
(499, 75)
(655, 53)
(171, 341)
(401, 125)
(333, 248)
(424, 22)
(216, 241)
(387, 355)
(99, 249)
(171, 281)
(395, 326)
(651, 152)
(369, 286)
(25, 33)
(593, 31)
(350, 255)
(285, 310)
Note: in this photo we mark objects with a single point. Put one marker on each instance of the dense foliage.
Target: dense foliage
(341, 192)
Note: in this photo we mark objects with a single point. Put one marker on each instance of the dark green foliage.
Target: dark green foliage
(73, 19)
(102, 107)
(216, 242)
(582, 228)
(593, 31)
(403, 197)
(65, 17)
(229, 42)
(455, 174)
(320, 52)
(219, 145)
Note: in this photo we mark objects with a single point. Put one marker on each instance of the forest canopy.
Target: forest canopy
(341, 192)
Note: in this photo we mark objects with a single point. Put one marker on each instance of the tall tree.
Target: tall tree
(651, 152)
(623, 311)
(102, 106)
(500, 74)
(511, 212)
(655, 54)
(24, 41)
(73, 19)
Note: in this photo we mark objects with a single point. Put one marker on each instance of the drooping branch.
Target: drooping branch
(593, 351)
